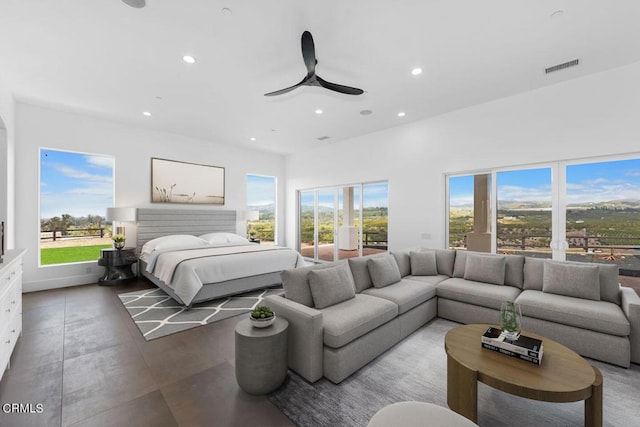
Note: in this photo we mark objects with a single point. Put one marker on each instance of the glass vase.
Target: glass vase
(510, 320)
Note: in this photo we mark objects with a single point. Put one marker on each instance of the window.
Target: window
(261, 204)
(75, 191)
(587, 211)
(332, 225)
(470, 212)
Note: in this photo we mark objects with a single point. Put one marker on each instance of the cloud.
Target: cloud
(70, 172)
(100, 161)
(528, 194)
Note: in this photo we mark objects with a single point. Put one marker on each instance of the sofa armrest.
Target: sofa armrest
(631, 307)
(305, 336)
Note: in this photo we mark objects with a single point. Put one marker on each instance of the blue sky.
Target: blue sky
(591, 182)
(74, 183)
(375, 195)
(261, 190)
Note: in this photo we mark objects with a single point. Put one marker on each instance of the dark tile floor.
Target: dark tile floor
(85, 361)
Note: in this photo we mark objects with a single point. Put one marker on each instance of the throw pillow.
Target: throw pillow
(572, 280)
(533, 272)
(404, 262)
(384, 271)
(296, 283)
(423, 263)
(485, 268)
(514, 271)
(330, 286)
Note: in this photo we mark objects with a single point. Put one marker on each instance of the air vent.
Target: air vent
(559, 67)
(323, 138)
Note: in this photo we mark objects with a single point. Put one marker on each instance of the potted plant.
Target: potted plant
(118, 240)
(262, 316)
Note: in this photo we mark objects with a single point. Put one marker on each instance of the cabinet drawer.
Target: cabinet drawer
(9, 275)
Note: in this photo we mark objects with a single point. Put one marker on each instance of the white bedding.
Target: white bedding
(186, 271)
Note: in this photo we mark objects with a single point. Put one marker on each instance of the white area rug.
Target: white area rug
(157, 314)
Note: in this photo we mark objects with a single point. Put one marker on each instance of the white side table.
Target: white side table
(418, 414)
(261, 356)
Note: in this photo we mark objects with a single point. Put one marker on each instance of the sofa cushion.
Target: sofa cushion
(348, 320)
(434, 280)
(383, 271)
(533, 272)
(404, 262)
(423, 263)
(406, 294)
(330, 286)
(360, 271)
(514, 270)
(296, 283)
(476, 293)
(485, 268)
(609, 286)
(600, 316)
(572, 280)
(445, 259)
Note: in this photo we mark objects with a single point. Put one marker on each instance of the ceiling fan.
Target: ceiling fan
(312, 79)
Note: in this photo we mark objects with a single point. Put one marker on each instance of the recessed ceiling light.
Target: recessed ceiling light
(146, 113)
(416, 71)
(252, 139)
(401, 114)
(365, 112)
(319, 111)
(226, 11)
(189, 59)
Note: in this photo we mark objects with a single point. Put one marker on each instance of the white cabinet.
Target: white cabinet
(10, 304)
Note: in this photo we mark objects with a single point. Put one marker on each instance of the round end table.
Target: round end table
(261, 356)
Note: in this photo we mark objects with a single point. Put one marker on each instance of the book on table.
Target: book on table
(525, 348)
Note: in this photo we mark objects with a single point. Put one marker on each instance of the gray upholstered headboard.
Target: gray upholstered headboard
(154, 223)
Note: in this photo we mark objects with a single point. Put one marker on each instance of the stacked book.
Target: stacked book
(525, 348)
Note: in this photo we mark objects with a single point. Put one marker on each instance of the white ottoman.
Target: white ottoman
(418, 414)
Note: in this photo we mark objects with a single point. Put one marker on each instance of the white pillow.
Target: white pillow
(176, 241)
(219, 238)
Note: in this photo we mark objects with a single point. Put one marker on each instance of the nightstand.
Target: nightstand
(117, 265)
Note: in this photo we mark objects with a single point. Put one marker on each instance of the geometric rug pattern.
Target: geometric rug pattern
(157, 314)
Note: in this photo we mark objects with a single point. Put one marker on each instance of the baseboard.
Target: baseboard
(60, 282)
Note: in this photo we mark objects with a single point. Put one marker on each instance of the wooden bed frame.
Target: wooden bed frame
(153, 223)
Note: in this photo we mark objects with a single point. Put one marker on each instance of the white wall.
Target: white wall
(592, 116)
(132, 148)
(7, 144)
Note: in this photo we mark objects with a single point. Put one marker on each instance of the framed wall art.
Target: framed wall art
(181, 182)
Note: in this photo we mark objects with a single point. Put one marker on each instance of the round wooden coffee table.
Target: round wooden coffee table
(563, 376)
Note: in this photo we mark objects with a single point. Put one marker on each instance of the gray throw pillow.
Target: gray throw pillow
(423, 263)
(296, 283)
(572, 280)
(514, 271)
(384, 271)
(533, 272)
(609, 286)
(331, 286)
(485, 268)
(404, 262)
(459, 263)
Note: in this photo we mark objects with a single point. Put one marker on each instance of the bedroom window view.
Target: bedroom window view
(261, 208)
(470, 212)
(598, 209)
(75, 191)
(332, 225)
(603, 213)
(524, 212)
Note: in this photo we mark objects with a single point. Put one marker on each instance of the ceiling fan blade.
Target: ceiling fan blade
(309, 53)
(288, 89)
(339, 88)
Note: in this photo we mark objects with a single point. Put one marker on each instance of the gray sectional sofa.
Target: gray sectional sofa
(344, 314)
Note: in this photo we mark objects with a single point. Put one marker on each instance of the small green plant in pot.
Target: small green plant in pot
(118, 240)
(262, 316)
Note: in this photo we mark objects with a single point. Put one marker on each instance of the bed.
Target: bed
(192, 269)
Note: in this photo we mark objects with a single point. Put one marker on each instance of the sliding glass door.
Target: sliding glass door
(332, 224)
(587, 211)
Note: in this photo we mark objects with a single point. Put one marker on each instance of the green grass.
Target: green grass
(50, 256)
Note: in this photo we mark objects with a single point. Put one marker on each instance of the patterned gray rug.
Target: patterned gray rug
(156, 314)
(416, 369)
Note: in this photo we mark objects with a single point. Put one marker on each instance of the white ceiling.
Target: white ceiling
(106, 59)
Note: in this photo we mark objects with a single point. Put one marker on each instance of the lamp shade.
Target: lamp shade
(121, 214)
(253, 215)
